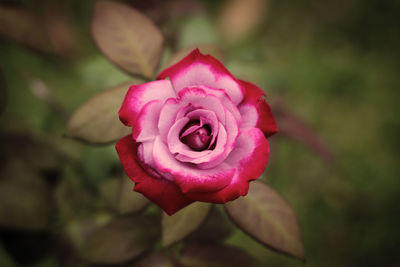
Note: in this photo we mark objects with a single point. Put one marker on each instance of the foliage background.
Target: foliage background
(332, 63)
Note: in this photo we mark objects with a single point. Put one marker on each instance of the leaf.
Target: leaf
(60, 29)
(123, 239)
(266, 216)
(78, 231)
(129, 200)
(109, 190)
(38, 154)
(216, 228)
(184, 222)
(127, 37)
(70, 197)
(3, 94)
(5, 259)
(155, 259)
(211, 255)
(240, 18)
(24, 27)
(24, 198)
(96, 121)
(211, 49)
(119, 194)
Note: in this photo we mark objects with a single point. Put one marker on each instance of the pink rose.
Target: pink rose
(198, 136)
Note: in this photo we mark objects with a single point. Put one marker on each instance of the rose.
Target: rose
(200, 136)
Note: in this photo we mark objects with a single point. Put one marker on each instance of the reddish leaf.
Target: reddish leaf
(266, 216)
(184, 222)
(127, 37)
(60, 29)
(240, 18)
(119, 194)
(203, 254)
(24, 198)
(24, 27)
(155, 259)
(120, 240)
(216, 228)
(96, 121)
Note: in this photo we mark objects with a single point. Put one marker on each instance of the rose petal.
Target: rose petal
(199, 69)
(188, 177)
(250, 156)
(199, 98)
(255, 110)
(176, 146)
(145, 126)
(188, 155)
(145, 156)
(206, 117)
(160, 191)
(232, 132)
(188, 100)
(163, 193)
(140, 95)
(225, 100)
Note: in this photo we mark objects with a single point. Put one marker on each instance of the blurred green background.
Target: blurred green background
(329, 68)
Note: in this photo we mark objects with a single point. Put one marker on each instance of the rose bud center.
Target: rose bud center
(199, 139)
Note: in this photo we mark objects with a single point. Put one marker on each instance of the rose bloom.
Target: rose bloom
(198, 134)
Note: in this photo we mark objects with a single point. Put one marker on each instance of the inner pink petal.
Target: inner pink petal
(225, 100)
(232, 131)
(201, 100)
(191, 129)
(218, 151)
(174, 143)
(187, 176)
(206, 117)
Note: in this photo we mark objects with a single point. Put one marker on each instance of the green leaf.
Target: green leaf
(184, 222)
(127, 37)
(211, 255)
(96, 121)
(5, 259)
(123, 239)
(267, 216)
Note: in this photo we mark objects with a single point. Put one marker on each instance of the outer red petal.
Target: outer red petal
(251, 157)
(205, 70)
(254, 98)
(139, 95)
(160, 191)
